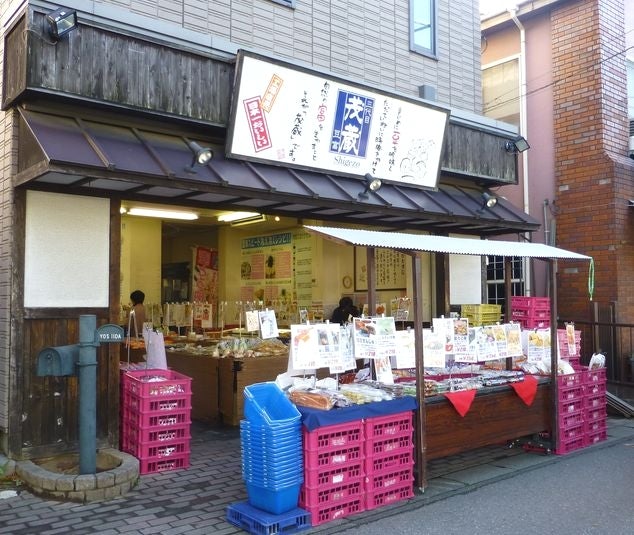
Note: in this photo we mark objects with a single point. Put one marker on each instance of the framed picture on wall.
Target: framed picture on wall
(391, 271)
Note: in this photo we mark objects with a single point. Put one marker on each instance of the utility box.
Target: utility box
(58, 361)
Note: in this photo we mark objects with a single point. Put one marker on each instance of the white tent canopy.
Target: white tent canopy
(443, 244)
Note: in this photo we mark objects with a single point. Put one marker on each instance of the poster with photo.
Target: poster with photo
(328, 347)
(252, 320)
(486, 345)
(513, 339)
(304, 350)
(405, 350)
(268, 324)
(364, 335)
(399, 308)
(461, 341)
(537, 344)
(470, 353)
(433, 348)
(346, 347)
(499, 333)
(444, 328)
(383, 370)
(385, 329)
(571, 340)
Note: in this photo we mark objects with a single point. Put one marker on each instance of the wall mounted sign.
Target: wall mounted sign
(290, 116)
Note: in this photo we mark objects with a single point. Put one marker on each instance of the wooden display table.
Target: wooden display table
(496, 415)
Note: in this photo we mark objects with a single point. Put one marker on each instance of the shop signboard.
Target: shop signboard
(290, 116)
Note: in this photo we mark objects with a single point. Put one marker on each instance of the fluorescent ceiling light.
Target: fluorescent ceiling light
(163, 214)
(237, 216)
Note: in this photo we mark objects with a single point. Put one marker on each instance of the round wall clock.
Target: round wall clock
(347, 281)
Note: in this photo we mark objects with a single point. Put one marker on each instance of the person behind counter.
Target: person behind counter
(138, 308)
(344, 311)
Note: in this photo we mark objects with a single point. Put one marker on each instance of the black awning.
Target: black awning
(143, 162)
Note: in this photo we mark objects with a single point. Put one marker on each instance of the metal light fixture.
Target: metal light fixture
(514, 146)
(60, 22)
(163, 214)
(488, 200)
(230, 217)
(202, 155)
(371, 184)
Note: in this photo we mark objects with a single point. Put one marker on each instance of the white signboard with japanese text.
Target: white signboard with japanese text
(293, 117)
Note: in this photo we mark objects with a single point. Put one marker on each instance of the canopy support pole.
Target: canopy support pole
(421, 435)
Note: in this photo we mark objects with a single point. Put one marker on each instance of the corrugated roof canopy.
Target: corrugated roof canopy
(443, 244)
(144, 161)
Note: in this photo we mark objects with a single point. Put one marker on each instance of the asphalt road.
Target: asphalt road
(591, 493)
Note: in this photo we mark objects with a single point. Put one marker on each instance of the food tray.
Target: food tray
(333, 476)
(168, 383)
(312, 497)
(258, 522)
(379, 498)
(329, 512)
(391, 425)
(152, 466)
(334, 436)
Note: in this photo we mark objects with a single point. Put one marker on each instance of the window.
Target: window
(495, 279)
(422, 15)
(501, 92)
(289, 3)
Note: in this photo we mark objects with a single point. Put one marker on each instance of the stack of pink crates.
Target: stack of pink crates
(571, 414)
(356, 466)
(595, 405)
(531, 312)
(156, 419)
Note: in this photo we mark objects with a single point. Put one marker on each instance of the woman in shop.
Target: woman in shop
(137, 314)
(344, 311)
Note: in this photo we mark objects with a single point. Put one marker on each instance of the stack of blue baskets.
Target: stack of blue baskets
(272, 453)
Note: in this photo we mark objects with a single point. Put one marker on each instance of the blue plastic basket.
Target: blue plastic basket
(274, 500)
(266, 404)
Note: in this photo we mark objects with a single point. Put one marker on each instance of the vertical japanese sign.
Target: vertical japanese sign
(205, 274)
(299, 118)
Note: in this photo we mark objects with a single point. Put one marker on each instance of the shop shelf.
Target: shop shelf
(152, 466)
(380, 498)
(266, 404)
(391, 425)
(334, 436)
(390, 478)
(273, 499)
(315, 496)
(258, 522)
(156, 383)
(331, 459)
(329, 512)
(566, 446)
(378, 464)
(333, 476)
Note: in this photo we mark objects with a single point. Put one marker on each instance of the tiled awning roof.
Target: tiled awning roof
(146, 162)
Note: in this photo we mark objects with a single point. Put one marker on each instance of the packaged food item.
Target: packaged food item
(311, 399)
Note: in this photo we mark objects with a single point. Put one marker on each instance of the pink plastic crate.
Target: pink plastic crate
(133, 402)
(144, 435)
(594, 389)
(571, 432)
(527, 301)
(389, 445)
(594, 426)
(572, 419)
(377, 464)
(571, 379)
(570, 406)
(530, 313)
(161, 419)
(568, 393)
(390, 478)
(334, 436)
(594, 437)
(331, 459)
(532, 323)
(333, 476)
(329, 512)
(379, 498)
(399, 424)
(566, 446)
(595, 401)
(154, 450)
(596, 376)
(152, 466)
(314, 497)
(157, 383)
(595, 413)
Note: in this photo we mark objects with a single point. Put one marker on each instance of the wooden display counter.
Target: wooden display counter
(234, 374)
(494, 417)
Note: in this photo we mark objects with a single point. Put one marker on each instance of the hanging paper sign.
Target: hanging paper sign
(400, 308)
(461, 347)
(304, 349)
(364, 335)
(571, 340)
(385, 337)
(433, 349)
(405, 349)
(499, 334)
(328, 347)
(346, 347)
(471, 352)
(486, 346)
(444, 328)
(513, 339)
(268, 324)
(252, 320)
(537, 345)
(383, 370)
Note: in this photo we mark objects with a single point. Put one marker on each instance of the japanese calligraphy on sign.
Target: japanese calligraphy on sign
(294, 117)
